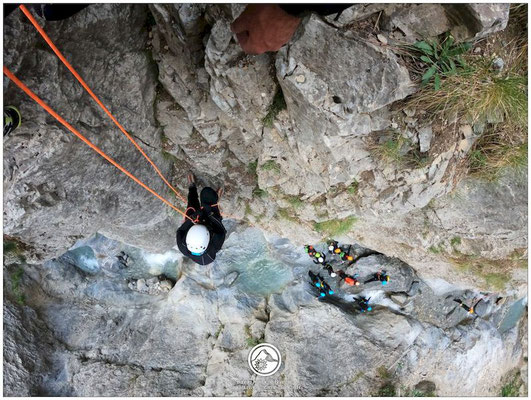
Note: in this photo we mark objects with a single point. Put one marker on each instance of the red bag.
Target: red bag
(349, 281)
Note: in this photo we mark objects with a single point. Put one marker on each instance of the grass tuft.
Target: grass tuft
(278, 104)
(271, 165)
(251, 167)
(261, 193)
(335, 227)
(294, 201)
(455, 241)
(353, 187)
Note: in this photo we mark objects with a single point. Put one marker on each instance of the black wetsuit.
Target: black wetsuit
(209, 215)
(379, 276)
(468, 309)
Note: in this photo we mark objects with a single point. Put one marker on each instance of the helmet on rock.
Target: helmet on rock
(197, 239)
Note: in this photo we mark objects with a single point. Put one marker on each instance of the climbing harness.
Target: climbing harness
(21, 85)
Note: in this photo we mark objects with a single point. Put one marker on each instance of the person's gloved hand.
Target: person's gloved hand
(264, 27)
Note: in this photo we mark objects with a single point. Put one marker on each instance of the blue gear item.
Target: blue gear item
(322, 294)
(369, 308)
(330, 292)
(318, 284)
(384, 282)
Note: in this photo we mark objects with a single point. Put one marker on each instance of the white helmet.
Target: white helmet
(197, 239)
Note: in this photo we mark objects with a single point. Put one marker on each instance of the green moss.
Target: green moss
(287, 214)
(294, 201)
(387, 390)
(436, 249)
(335, 227)
(10, 246)
(248, 210)
(261, 193)
(353, 187)
(251, 167)
(512, 389)
(455, 241)
(271, 165)
(496, 280)
(278, 104)
(16, 278)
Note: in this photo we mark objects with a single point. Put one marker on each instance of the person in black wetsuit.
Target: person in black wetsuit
(379, 276)
(201, 241)
(268, 27)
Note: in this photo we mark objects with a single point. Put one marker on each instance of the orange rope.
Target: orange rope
(96, 99)
(21, 85)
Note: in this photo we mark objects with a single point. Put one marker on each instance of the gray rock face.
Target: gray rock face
(196, 102)
(48, 172)
(81, 334)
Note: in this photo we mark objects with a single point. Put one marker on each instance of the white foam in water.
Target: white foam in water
(160, 259)
(88, 263)
(157, 262)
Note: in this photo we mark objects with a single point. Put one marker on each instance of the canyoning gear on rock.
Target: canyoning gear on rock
(314, 279)
(379, 276)
(205, 213)
(197, 239)
(349, 279)
(319, 282)
(318, 257)
(469, 310)
(333, 247)
(310, 250)
(12, 119)
(363, 303)
(344, 255)
(330, 270)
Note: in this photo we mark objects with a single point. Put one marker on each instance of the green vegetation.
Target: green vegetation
(251, 167)
(392, 149)
(248, 210)
(16, 278)
(287, 214)
(439, 59)
(353, 187)
(271, 165)
(397, 149)
(436, 249)
(261, 193)
(493, 101)
(491, 274)
(455, 241)
(294, 201)
(512, 388)
(251, 341)
(387, 389)
(14, 248)
(490, 158)
(218, 332)
(278, 104)
(335, 227)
